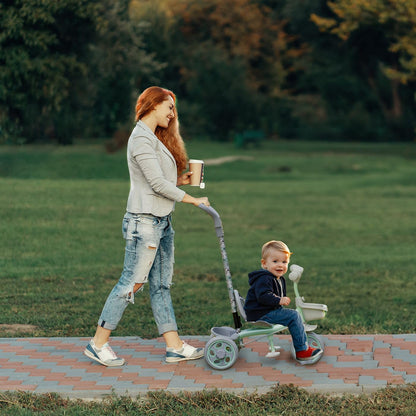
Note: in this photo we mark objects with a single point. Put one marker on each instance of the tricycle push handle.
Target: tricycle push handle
(214, 214)
(220, 234)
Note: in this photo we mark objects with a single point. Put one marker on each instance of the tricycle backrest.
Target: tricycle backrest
(240, 304)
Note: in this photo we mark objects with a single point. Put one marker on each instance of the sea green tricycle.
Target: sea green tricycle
(221, 351)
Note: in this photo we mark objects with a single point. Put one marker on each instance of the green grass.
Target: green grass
(346, 211)
(283, 400)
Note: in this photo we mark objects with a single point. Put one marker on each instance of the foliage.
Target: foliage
(228, 73)
(116, 71)
(258, 40)
(43, 46)
(75, 68)
(67, 68)
(342, 92)
(383, 37)
(395, 20)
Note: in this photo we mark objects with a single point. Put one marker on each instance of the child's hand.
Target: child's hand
(285, 301)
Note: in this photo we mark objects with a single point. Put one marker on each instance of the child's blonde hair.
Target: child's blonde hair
(274, 245)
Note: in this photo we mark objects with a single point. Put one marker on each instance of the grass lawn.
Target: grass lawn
(282, 400)
(347, 211)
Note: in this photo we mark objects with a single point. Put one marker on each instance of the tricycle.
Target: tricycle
(221, 350)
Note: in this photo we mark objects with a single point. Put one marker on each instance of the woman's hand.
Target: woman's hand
(203, 200)
(184, 179)
(188, 199)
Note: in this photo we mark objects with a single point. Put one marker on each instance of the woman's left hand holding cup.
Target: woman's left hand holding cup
(184, 179)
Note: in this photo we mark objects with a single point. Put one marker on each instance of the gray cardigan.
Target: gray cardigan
(153, 174)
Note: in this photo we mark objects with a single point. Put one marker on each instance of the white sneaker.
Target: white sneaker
(104, 355)
(187, 352)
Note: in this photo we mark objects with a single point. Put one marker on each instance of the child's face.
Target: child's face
(276, 263)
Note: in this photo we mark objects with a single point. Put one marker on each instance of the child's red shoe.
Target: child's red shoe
(308, 354)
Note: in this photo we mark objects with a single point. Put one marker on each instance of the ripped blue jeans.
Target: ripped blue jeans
(149, 257)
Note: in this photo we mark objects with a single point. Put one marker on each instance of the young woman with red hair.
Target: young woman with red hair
(156, 158)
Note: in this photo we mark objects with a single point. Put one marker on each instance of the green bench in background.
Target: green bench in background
(249, 137)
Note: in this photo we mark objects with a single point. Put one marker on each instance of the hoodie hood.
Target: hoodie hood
(253, 276)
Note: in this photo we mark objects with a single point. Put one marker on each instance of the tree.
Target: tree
(68, 67)
(383, 34)
(226, 60)
(118, 66)
(243, 29)
(43, 46)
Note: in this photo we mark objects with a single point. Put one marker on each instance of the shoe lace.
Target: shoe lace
(110, 350)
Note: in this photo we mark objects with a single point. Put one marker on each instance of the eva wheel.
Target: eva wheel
(315, 341)
(292, 351)
(221, 353)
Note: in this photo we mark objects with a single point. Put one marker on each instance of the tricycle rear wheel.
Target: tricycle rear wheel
(221, 353)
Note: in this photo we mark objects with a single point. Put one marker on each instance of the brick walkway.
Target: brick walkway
(351, 364)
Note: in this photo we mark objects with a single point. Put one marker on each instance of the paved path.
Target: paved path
(351, 364)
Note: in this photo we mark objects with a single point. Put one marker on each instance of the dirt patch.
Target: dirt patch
(17, 328)
(225, 159)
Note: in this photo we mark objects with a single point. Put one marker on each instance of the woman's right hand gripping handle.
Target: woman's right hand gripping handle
(188, 199)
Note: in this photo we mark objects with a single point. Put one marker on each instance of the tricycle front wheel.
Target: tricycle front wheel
(315, 340)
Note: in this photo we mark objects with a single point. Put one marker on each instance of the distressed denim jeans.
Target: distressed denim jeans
(292, 319)
(149, 257)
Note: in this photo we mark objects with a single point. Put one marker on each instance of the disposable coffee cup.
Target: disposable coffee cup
(197, 169)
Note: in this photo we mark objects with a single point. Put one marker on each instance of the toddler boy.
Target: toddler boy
(267, 296)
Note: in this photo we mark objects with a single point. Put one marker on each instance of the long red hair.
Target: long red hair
(169, 136)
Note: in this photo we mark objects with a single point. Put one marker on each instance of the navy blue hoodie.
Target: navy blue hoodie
(264, 294)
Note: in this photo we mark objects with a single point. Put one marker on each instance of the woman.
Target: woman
(156, 158)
